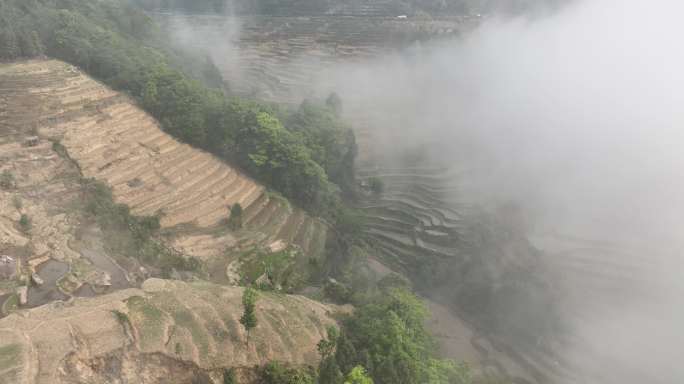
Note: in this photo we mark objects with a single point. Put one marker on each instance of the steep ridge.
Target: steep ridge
(165, 332)
(114, 141)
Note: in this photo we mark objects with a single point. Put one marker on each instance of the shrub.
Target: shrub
(7, 180)
(278, 373)
(229, 376)
(235, 219)
(25, 223)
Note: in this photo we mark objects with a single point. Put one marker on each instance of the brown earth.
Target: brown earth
(165, 332)
(114, 141)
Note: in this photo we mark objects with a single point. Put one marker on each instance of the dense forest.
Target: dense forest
(119, 45)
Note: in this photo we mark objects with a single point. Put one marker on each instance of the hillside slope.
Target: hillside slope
(112, 140)
(165, 332)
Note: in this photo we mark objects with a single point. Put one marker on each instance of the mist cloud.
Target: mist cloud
(578, 117)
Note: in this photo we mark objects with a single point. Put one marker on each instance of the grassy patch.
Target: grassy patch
(122, 318)
(11, 304)
(7, 180)
(60, 149)
(148, 318)
(9, 356)
(185, 319)
(130, 235)
(277, 265)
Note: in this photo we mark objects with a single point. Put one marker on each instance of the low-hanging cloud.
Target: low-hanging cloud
(576, 116)
(585, 103)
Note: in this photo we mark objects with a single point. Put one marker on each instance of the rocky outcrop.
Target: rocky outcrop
(165, 332)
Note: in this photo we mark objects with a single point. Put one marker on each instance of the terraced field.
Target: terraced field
(284, 59)
(112, 140)
(165, 332)
(611, 290)
(41, 219)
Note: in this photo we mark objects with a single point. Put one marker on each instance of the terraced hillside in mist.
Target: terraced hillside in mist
(421, 224)
(284, 59)
(166, 332)
(287, 59)
(603, 279)
(112, 140)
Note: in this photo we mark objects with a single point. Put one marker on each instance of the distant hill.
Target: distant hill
(434, 8)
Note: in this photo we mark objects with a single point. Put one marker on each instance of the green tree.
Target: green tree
(277, 373)
(329, 371)
(7, 180)
(9, 44)
(390, 339)
(235, 219)
(326, 347)
(248, 319)
(25, 223)
(30, 44)
(358, 375)
(229, 376)
(346, 355)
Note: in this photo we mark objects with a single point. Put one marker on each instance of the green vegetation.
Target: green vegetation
(386, 335)
(148, 318)
(277, 373)
(280, 268)
(332, 142)
(25, 223)
(358, 375)
(184, 318)
(60, 149)
(383, 341)
(229, 376)
(248, 319)
(10, 304)
(7, 180)
(9, 356)
(235, 219)
(118, 44)
(122, 318)
(129, 235)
